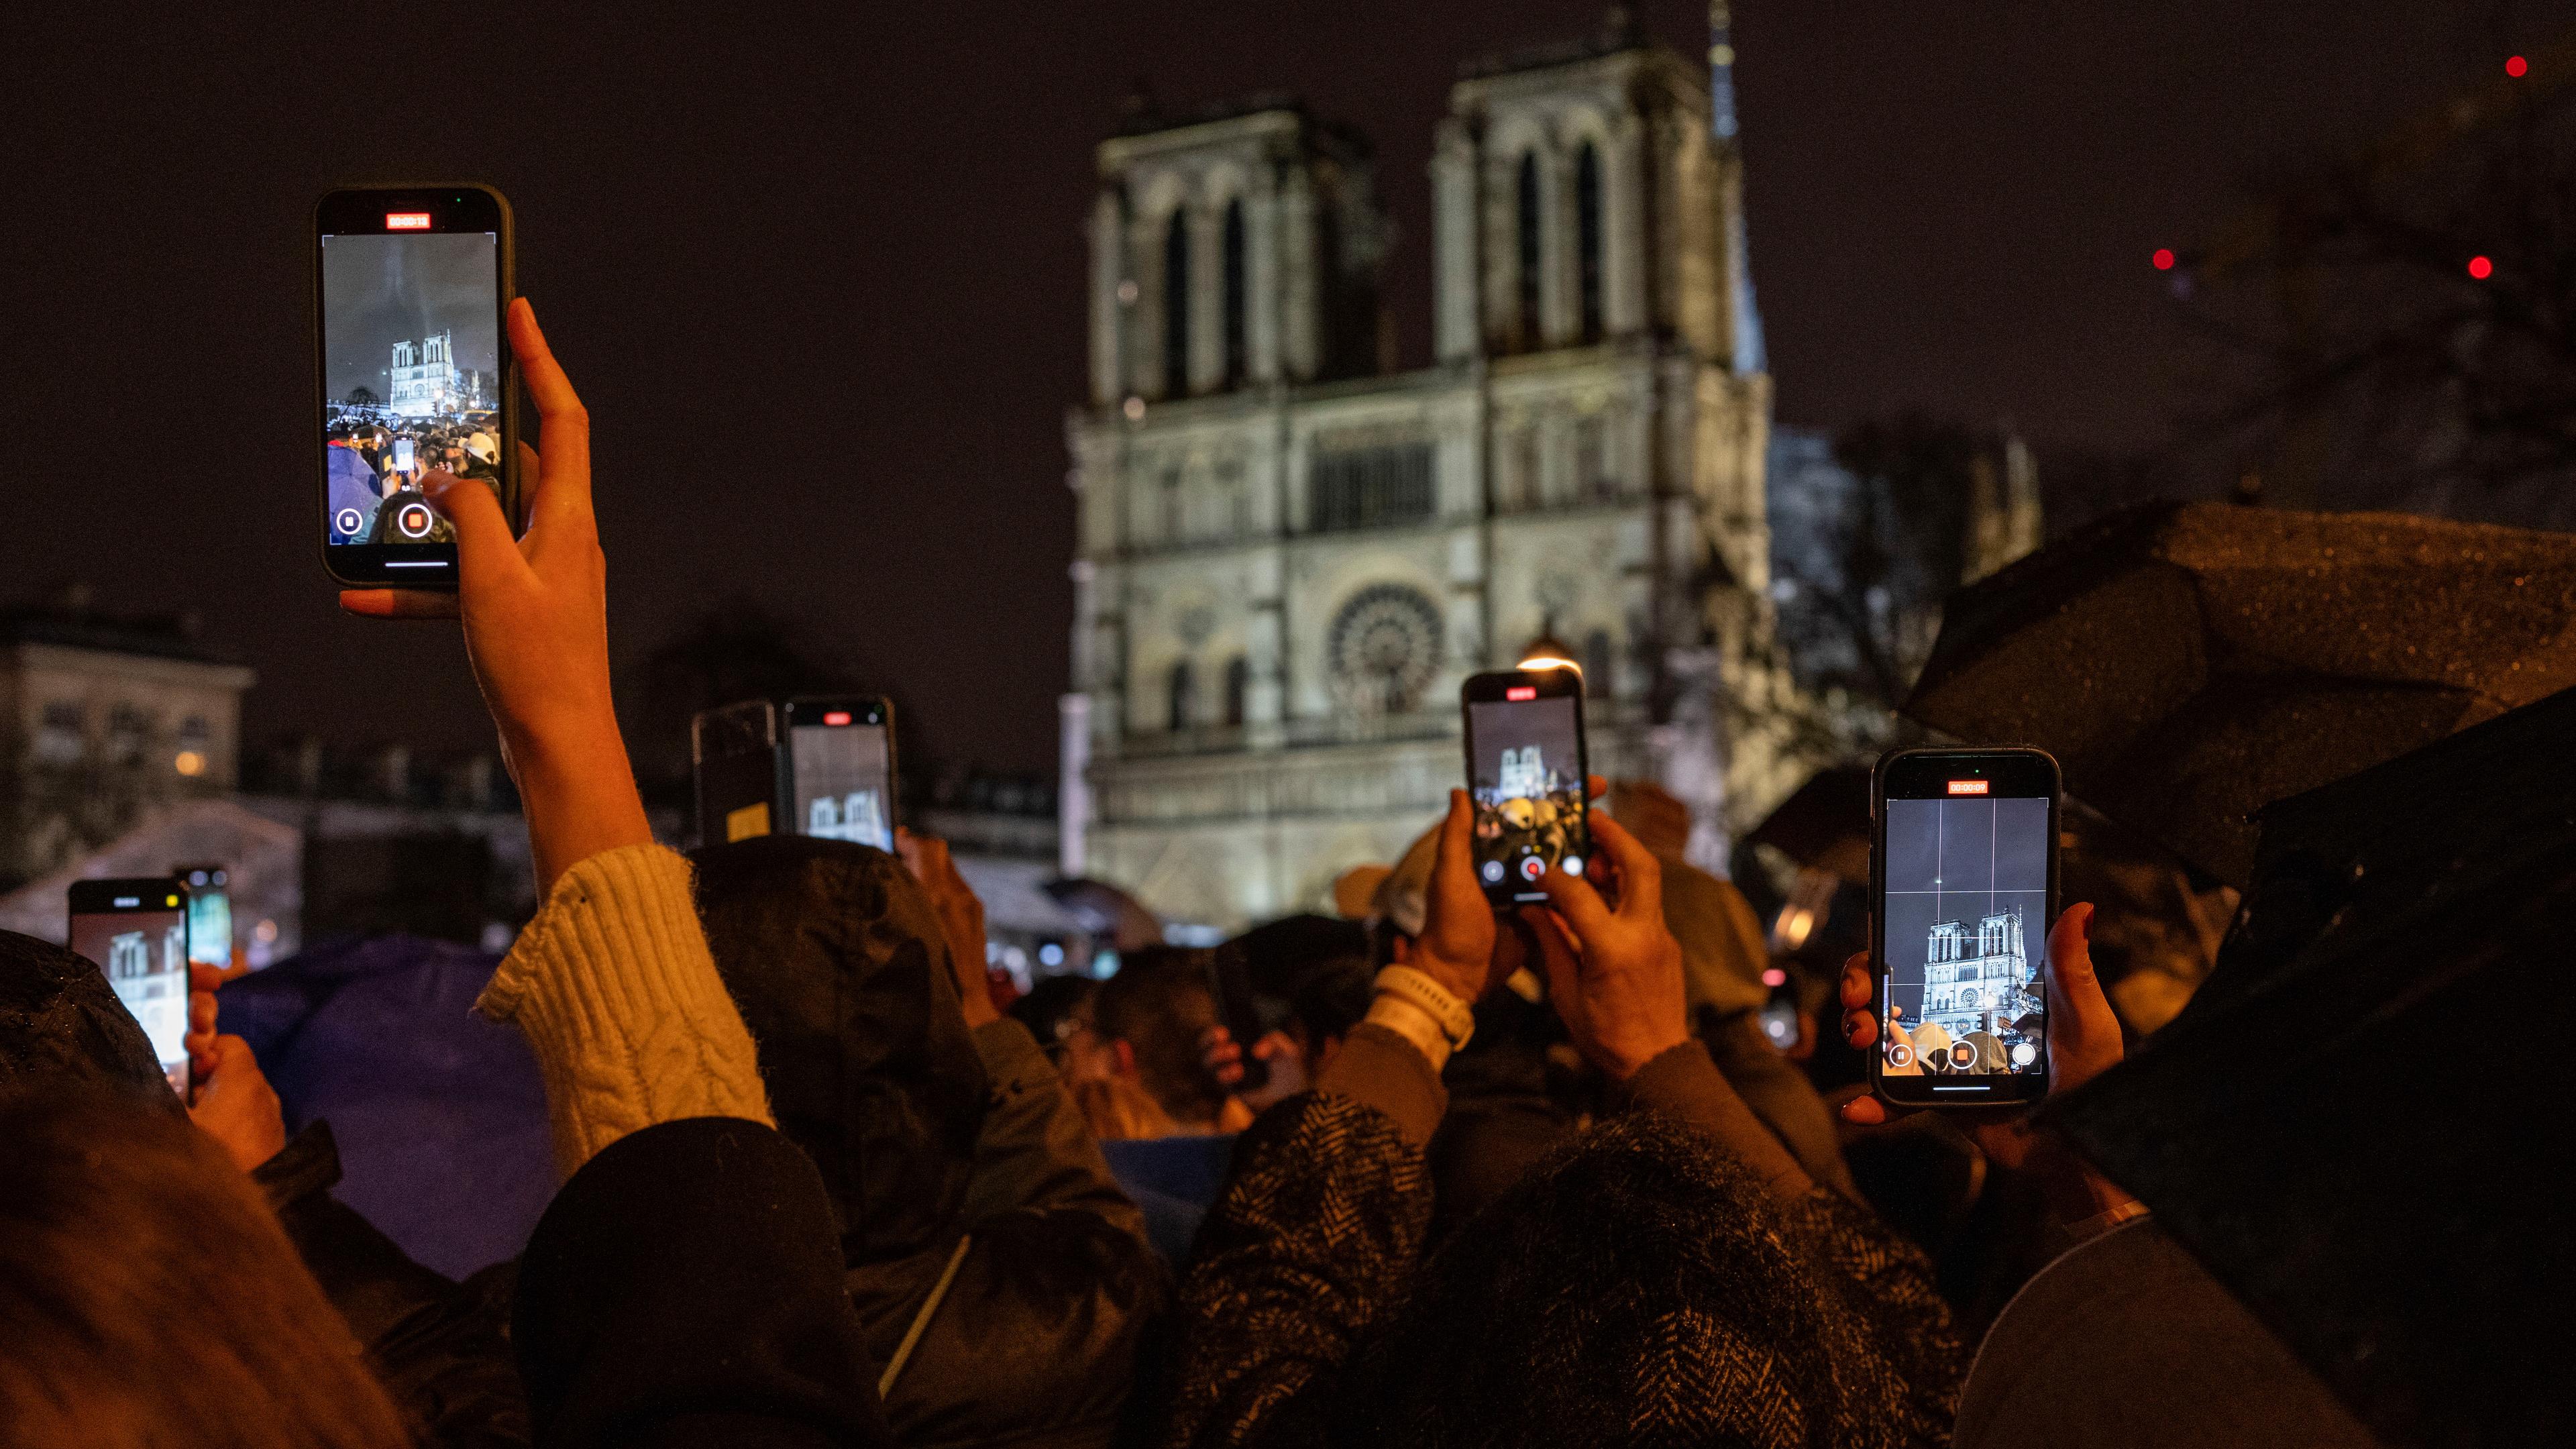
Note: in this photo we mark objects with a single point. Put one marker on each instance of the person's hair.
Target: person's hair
(1160, 1004)
(1118, 1110)
(1331, 999)
(148, 1296)
(1049, 1005)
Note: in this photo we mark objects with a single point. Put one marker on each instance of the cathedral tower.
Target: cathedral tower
(1292, 555)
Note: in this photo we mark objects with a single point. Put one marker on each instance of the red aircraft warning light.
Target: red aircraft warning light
(2164, 259)
(1967, 787)
(406, 221)
(2517, 67)
(2481, 268)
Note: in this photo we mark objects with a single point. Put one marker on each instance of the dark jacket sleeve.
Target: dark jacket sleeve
(1901, 1327)
(1781, 1096)
(1035, 1153)
(1321, 1221)
(1887, 1284)
(685, 1287)
(438, 1347)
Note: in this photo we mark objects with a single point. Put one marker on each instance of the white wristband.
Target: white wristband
(1411, 1022)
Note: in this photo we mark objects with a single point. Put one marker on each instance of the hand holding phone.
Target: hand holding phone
(2083, 1031)
(536, 628)
(1617, 984)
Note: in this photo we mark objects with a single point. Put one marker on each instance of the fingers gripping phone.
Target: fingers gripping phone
(1963, 890)
(840, 769)
(136, 932)
(413, 373)
(1526, 768)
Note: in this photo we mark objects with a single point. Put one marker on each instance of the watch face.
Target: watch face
(1384, 649)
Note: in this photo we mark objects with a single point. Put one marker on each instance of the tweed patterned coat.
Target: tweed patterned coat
(1639, 1287)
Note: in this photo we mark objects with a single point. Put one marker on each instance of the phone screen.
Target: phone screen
(412, 374)
(841, 766)
(137, 933)
(210, 925)
(1525, 777)
(1965, 902)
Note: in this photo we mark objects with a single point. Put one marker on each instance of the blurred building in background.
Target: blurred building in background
(1290, 556)
(105, 719)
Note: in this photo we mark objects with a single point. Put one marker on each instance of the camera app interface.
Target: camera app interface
(841, 782)
(1527, 788)
(144, 954)
(1967, 901)
(411, 340)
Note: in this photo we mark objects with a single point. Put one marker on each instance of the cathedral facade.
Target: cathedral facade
(1291, 555)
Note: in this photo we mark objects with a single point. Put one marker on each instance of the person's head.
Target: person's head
(1057, 1011)
(840, 969)
(1152, 1016)
(148, 1297)
(1329, 1000)
(61, 1026)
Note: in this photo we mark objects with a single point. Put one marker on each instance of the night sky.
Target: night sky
(821, 284)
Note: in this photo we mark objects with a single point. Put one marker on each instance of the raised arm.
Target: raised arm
(611, 982)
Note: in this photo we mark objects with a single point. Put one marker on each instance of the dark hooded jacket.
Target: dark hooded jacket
(435, 1345)
(949, 1155)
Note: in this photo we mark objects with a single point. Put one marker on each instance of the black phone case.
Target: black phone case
(2036, 1088)
(514, 502)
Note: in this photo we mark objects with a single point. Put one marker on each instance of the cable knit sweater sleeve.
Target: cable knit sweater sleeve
(615, 991)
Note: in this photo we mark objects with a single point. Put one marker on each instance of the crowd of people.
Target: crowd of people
(1531, 1177)
(376, 462)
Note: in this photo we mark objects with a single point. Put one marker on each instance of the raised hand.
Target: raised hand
(1456, 947)
(961, 920)
(536, 626)
(2083, 1031)
(232, 1101)
(1615, 975)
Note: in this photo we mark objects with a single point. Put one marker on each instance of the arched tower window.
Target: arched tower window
(1238, 297)
(1176, 306)
(1587, 235)
(1185, 695)
(1527, 251)
(1238, 688)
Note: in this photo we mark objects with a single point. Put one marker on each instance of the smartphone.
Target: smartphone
(1963, 889)
(1230, 978)
(410, 284)
(210, 914)
(136, 932)
(840, 769)
(1526, 769)
(734, 762)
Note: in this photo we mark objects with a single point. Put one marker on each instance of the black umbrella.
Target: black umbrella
(2352, 1125)
(1108, 913)
(1824, 824)
(2189, 664)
